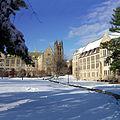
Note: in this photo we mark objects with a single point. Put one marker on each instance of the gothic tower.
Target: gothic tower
(58, 51)
(55, 51)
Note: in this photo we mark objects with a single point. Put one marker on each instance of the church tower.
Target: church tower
(58, 51)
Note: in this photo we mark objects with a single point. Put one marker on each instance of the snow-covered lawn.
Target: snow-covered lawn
(115, 88)
(37, 99)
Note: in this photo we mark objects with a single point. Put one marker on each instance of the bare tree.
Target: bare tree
(22, 73)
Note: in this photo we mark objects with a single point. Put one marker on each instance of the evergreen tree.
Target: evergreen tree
(11, 40)
(114, 44)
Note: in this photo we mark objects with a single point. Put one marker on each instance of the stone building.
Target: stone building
(12, 62)
(45, 61)
(89, 61)
(48, 59)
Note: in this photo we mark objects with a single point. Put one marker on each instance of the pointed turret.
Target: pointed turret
(56, 42)
(106, 34)
(61, 42)
(58, 50)
(35, 50)
(105, 38)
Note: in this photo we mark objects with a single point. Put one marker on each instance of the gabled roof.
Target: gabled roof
(49, 49)
(95, 44)
(89, 46)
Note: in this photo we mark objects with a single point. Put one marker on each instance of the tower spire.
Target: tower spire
(35, 50)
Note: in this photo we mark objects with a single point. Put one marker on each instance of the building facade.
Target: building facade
(10, 62)
(45, 61)
(49, 58)
(89, 61)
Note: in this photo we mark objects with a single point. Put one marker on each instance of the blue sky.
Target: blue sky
(76, 22)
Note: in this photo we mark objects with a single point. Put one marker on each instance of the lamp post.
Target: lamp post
(68, 77)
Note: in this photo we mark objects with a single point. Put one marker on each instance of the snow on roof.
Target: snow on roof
(114, 35)
(89, 46)
(80, 50)
(92, 45)
(95, 44)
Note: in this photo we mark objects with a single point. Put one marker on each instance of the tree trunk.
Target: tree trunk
(119, 76)
(119, 79)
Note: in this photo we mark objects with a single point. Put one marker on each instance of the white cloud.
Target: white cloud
(84, 30)
(103, 12)
(42, 40)
(87, 39)
(95, 24)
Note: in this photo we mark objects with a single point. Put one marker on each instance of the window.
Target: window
(12, 62)
(93, 51)
(88, 63)
(92, 62)
(80, 74)
(88, 74)
(97, 65)
(88, 53)
(84, 74)
(93, 74)
(18, 62)
(23, 63)
(7, 69)
(1, 68)
(7, 62)
(1, 64)
(108, 52)
(1, 60)
(97, 61)
(104, 53)
(97, 74)
(82, 55)
(97, 50)
(105, 72)
(109, 72)
(84, 63)
(80, 64)
(85, 54)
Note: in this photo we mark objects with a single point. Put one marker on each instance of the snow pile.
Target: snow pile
(31, 89)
